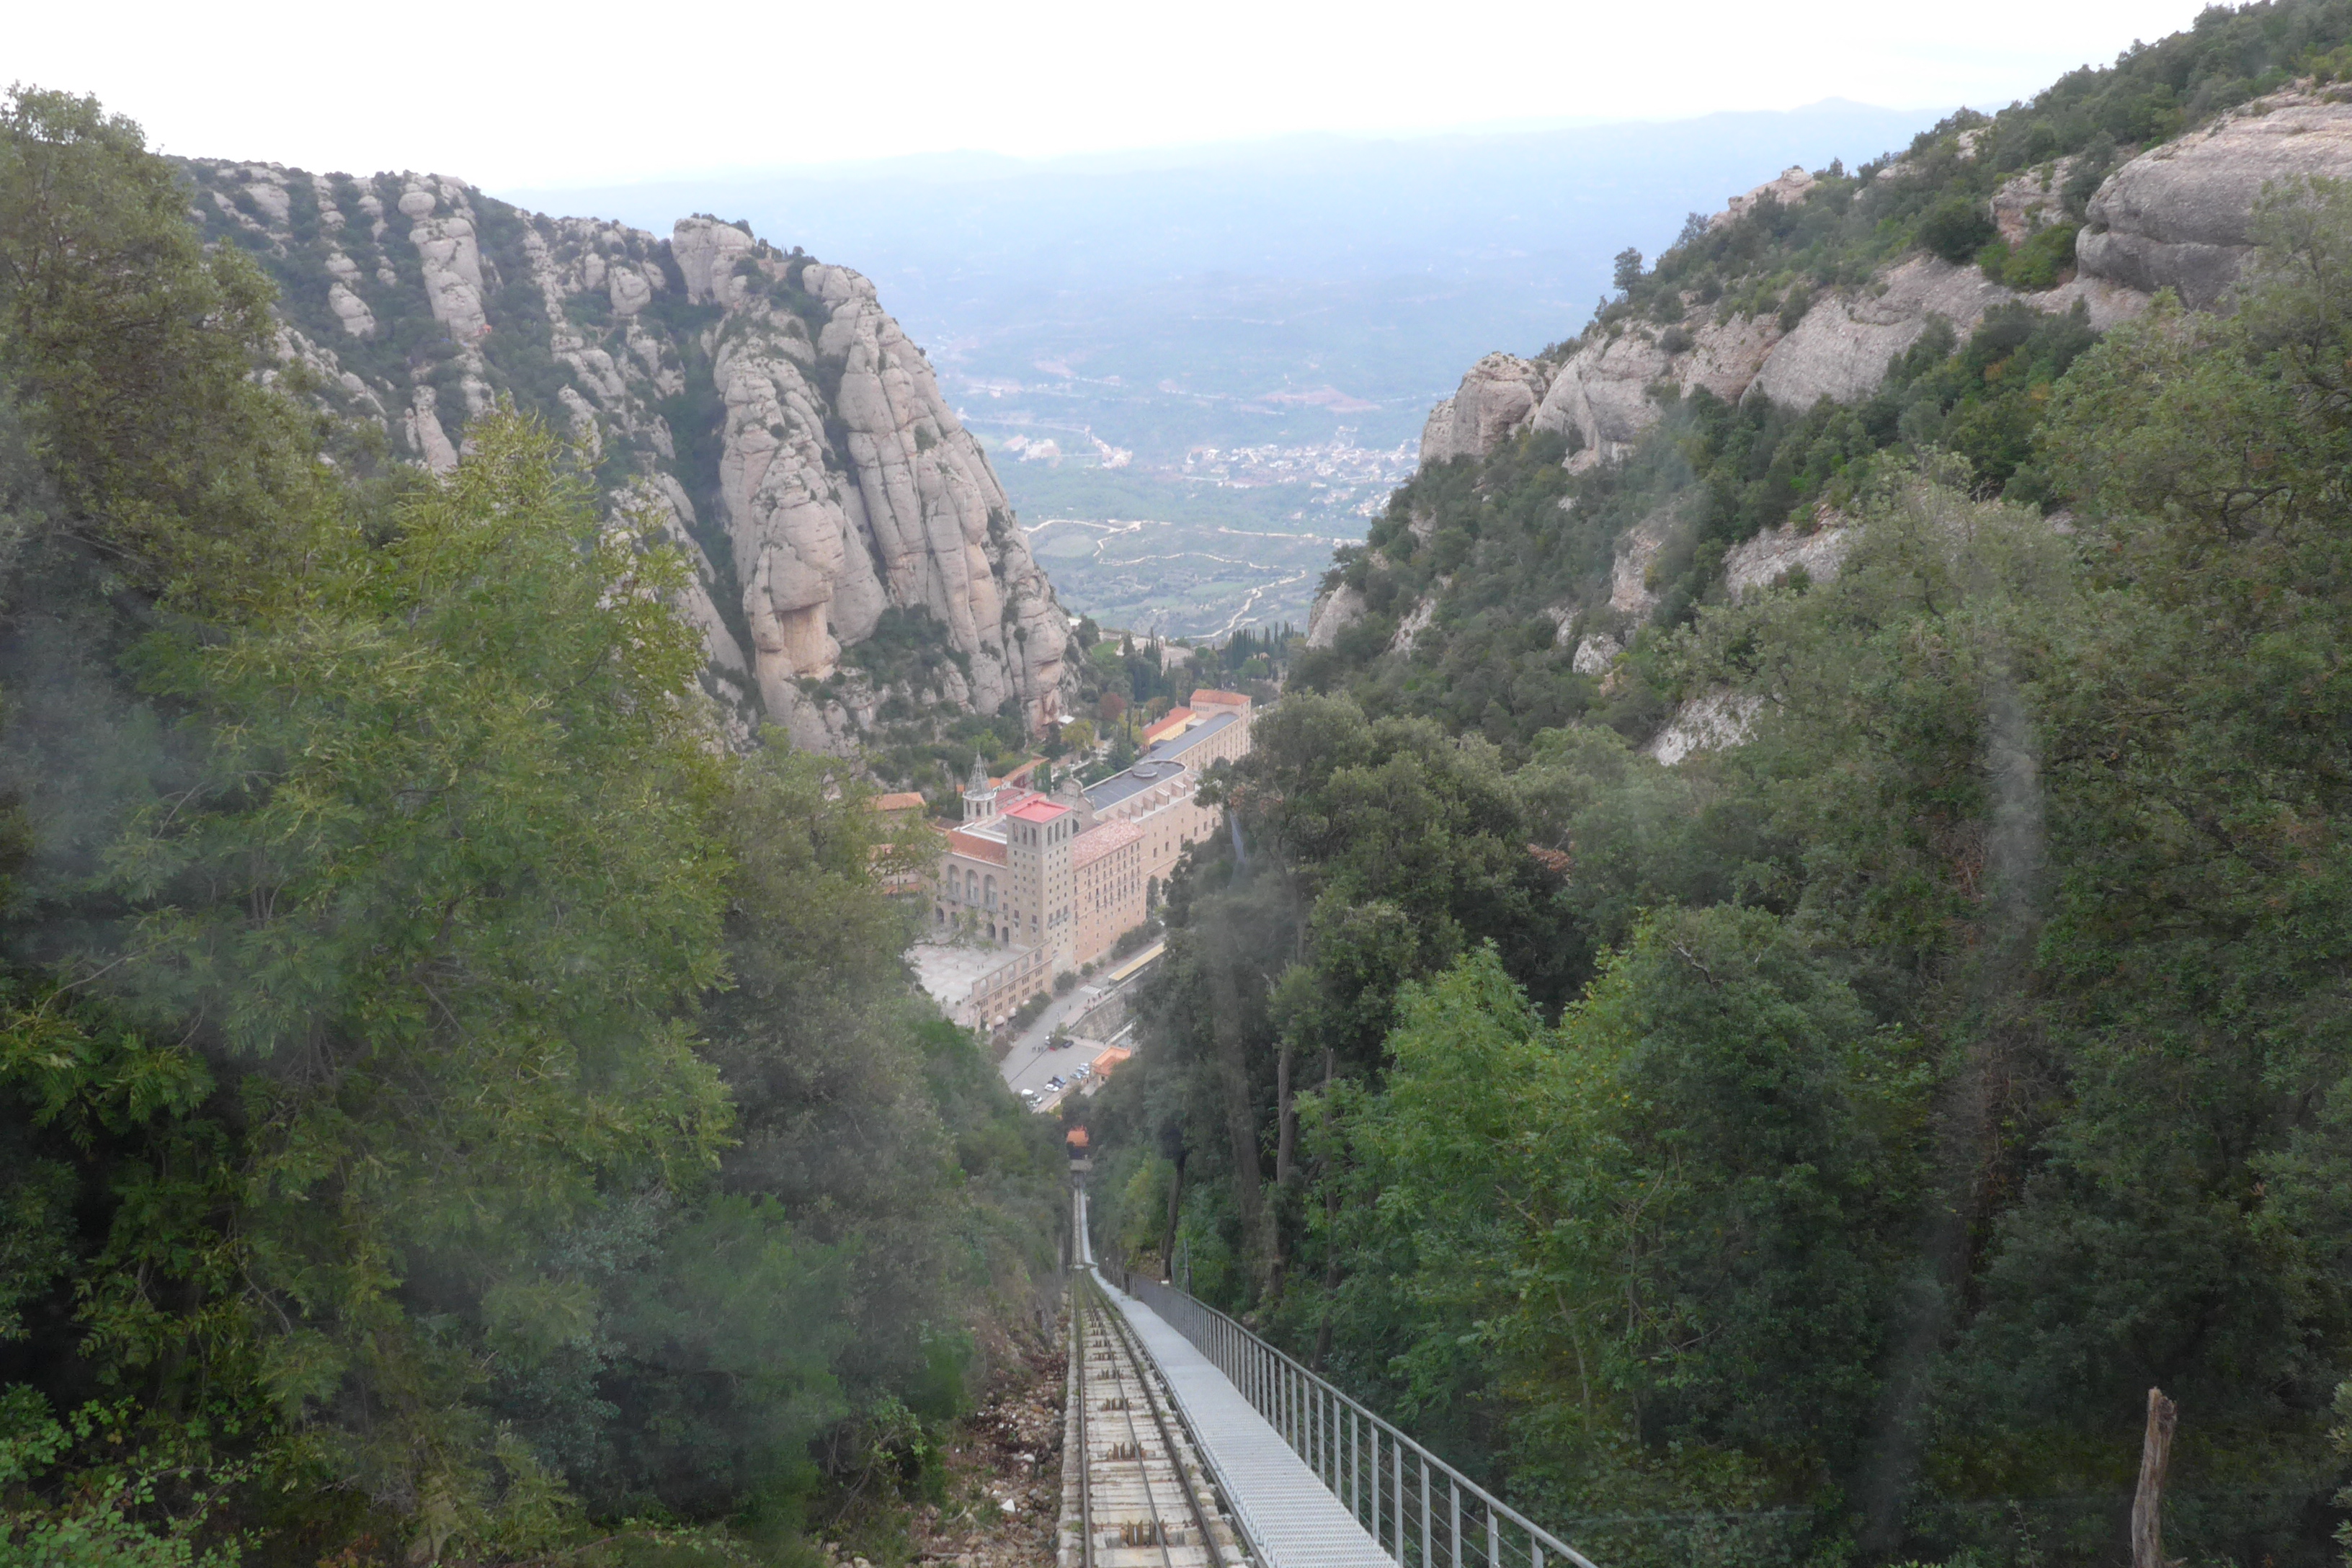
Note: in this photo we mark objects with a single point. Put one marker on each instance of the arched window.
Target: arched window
(991, 892)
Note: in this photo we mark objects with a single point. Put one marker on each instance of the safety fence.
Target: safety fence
(1422, 1512)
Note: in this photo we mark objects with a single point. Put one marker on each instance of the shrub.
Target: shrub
(1957, 227)
(2038, 262)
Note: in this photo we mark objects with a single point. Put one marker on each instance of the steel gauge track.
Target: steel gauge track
(1142, 1501)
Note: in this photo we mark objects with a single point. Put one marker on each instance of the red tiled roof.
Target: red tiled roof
(1039, 809)
(1100, 839)
(1229, 699)
(903, 800)
(974, 846)
(1175, 720)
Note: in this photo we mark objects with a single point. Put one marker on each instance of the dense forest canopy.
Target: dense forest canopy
(1815, 1152)
(449, 1108)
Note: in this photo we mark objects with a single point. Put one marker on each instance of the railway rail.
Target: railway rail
(1138, 1496)
(1267, 1455)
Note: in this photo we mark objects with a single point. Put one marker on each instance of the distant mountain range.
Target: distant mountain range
(1160, 297)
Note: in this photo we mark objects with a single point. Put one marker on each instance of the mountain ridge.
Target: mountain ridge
(757, 404)
(1737, 395)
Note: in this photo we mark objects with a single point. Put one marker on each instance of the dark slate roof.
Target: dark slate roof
(1163, 762)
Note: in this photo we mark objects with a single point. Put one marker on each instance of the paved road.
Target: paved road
(1032, 1064)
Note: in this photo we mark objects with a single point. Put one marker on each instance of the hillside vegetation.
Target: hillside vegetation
(1814, 1152)
(1514, 553)
(451, 1109)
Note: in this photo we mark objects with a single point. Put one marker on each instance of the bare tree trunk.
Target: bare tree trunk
(1330, 1178)
(1285, 1137)
(1175, 1202)
(1241, 1126)
(2148, 1503)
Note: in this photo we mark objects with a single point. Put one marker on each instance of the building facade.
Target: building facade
(1054, 882)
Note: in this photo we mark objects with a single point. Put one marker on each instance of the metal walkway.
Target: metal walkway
(1289, 1514)
(1290, 1518)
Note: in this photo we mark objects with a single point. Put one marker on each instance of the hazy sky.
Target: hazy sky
(512, 94)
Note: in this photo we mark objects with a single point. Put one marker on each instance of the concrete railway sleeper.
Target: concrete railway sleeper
(1135, 1494)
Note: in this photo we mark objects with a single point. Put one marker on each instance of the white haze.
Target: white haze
(512, 94)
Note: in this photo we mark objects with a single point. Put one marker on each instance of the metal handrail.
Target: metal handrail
(1343, 1443)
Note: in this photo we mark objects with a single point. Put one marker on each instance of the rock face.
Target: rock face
(1770, 556)
(2179, 215)
(2032, 200)
(1333, 613)
(1709, 722)
(1495, 400)
(1842, 347)
(1792, 185)
(759, 408)
(1602, 394)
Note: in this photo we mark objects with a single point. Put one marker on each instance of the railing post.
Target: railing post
(1396, 1492)
(1454, 1521)
(1425, 1560)
(1355, 1462)
(1494, 1537)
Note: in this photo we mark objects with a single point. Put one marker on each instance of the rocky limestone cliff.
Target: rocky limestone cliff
(2179, 215)
(758, 406)
(1495, 399)
(2175, 217)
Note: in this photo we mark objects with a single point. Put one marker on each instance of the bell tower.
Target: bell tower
(979, 794)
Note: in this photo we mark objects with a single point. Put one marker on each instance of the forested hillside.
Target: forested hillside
(451, 1106)
(1816, 1151)
(1504, 560)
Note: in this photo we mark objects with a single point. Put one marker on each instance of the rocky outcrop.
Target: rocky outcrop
(2180, 216)
(1595, 654)
(2177, 217)
(1771, 556)
(1631, 593)
(1791, 186)
(1708, 722)
(1495, 399)
(1842, 347)
(815, 477)
(1335, 611)
(1602, 394)
(2032, 200)
(1417, 619)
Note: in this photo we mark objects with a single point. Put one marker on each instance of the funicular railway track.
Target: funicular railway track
(1141, 1499)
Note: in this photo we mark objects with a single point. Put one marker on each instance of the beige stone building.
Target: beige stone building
(1054, 882)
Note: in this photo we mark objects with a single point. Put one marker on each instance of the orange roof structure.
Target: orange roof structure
(976, 846)
(1100, 839)
(1039, 810)
(901, 800)
(1221, 698)
(1176, 720)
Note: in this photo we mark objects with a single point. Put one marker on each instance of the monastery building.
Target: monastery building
(1052, 882)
